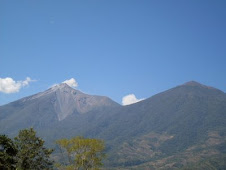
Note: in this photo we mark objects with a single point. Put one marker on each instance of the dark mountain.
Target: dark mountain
(181, 127)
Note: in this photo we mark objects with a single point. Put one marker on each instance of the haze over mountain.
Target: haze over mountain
(182, 126)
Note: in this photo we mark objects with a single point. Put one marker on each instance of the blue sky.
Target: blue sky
(112, 48)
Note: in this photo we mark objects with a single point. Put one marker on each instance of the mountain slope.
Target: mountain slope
(47, 108)
(175, 128)
(176, 120)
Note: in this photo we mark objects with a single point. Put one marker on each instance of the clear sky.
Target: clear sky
(111, 47)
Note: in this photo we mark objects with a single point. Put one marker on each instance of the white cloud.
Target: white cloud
(71, 82)
(130, 99)
(8, 85)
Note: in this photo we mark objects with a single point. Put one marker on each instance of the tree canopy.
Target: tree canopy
(27, 152)
(8, 153)
(31, 151)
(82, 153)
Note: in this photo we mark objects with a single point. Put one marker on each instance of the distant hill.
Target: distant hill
(183, 127)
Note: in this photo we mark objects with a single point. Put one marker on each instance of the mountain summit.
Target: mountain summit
(197, 84)
(193, 83)
(53, 105)
(66, 101)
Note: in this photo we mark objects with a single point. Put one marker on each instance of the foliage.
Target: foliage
(31, 151)
(8, 152)
(82, 153)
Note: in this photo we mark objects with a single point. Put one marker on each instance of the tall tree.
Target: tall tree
(31, 151)
(83, 153)
(8, 153)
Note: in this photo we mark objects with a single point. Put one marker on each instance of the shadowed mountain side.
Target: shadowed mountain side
(187, 112)
(185, 106)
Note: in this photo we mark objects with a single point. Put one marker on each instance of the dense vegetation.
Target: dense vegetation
(27, 152)
(31, 151)
(81, 153)
(8, 152)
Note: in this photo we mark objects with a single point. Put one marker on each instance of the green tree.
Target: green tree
(82, 154)
(32, 155)
(8, 153)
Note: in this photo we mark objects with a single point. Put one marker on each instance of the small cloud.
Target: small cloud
(71, 82)
(8, 85)
(130, 99)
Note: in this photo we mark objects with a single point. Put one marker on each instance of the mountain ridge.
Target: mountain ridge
(67, 100)
(64, 85)
(158, 128)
